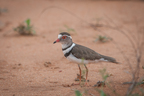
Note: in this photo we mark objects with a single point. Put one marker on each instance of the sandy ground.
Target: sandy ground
(22, 58)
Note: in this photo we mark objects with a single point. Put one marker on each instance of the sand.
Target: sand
(34, 66)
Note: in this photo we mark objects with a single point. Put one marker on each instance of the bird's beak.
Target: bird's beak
(56, 41)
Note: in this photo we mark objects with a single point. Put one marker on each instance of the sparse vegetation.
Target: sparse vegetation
(103, 83)
(25, 28)
(102, 39)
(67, 29)
(78, 93)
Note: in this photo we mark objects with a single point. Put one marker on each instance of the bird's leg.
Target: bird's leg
(80, 74)
(86, 73)
(79, 77)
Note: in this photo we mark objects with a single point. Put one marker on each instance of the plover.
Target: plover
(80, 54)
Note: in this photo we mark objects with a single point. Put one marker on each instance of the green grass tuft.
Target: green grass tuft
(78, 93)
(25, 28)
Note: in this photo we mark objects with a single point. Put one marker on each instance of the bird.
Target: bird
(80, 54)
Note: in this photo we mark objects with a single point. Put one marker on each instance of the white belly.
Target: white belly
(79, 61)
(74, 59)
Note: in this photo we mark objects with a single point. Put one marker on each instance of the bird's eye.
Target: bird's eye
(64, 37)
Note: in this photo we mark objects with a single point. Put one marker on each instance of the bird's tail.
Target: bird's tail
(110, 59)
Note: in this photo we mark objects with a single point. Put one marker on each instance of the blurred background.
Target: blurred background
(30, 65)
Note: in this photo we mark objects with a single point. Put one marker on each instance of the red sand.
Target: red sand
(22, 58)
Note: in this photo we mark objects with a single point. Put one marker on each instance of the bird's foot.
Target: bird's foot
(82, 78)
(99, 83)
(69, 85)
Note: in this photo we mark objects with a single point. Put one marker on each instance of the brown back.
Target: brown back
(83, 52)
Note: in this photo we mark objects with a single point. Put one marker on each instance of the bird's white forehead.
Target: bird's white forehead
(59, 36)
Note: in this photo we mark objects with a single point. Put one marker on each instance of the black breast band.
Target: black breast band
(67, 54)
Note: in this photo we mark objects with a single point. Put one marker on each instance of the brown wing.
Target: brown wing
(82, 52)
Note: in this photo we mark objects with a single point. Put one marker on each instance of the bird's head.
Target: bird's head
(64, 38)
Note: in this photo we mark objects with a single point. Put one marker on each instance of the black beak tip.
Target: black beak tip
(54, 42)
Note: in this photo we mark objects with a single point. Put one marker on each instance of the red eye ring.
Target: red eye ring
(64, 37)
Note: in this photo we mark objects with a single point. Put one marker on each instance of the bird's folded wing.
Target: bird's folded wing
(83, 52)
